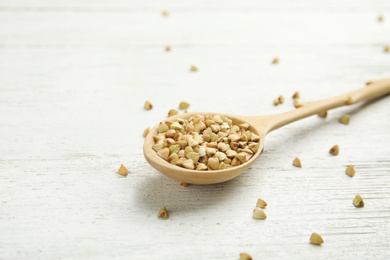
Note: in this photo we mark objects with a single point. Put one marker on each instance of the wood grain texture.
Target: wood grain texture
(73, 79)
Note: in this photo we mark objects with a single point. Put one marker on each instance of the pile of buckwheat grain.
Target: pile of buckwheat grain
(205, 142)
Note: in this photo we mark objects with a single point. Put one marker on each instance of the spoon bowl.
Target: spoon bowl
(195, 176)
(260, 125)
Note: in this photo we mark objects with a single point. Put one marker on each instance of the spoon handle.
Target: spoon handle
(374, 89)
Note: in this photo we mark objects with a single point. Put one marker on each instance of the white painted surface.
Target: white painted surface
(73, 79)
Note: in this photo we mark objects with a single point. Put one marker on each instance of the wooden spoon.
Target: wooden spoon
(260, 125)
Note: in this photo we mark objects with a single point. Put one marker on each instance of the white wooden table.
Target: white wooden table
(74, 75)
